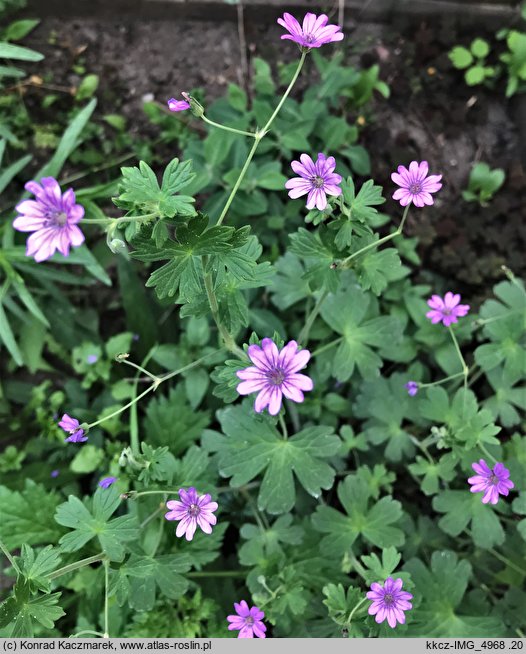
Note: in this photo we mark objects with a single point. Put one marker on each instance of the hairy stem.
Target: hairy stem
(389, 237)
(106, 599)
(257, 138)
(75, 566)
(9, 558)
(228, 129)
(303, 338)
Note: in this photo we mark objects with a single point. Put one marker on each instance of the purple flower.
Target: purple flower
(55, 473)
(446, 310)
(92, 358)
(192, 510)
(275, 374)
(491, 482)
(247, 621)
(416, 187)
(316, 179)
(53, 218)
(72, 427)
(389, 602)
(314, 33)
(178, 105)
(412, 388)
(107, 482)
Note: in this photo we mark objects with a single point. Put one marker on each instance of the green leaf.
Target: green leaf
(68, 143)
(433, 472)
(10, 51)
(340, 603)
(475, 75)
(183, 272)
(442, 589)
(373, 523)
(16, 30)
(461, 509)
(479, 48)
(289, 285)
(318, 257)
(87, 87)
(35, 566)
(20, 522)
(8, 338)
(43, 609)
(362, 205)
(12, 171)
(252, 445)
(460, 57)
(140, 190)
(112, 534)
(346, 313)
(377, 269)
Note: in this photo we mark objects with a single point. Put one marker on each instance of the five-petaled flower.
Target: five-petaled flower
(275, 374)
(178, 105)
(313, 33)
(247, 621)
(412, 388)
(415, 185)
(315, 179)
(192, 510)
(389, 602)
(490, 482)
(107, 482)
(72, 427)
(52, 217)
(446, 310)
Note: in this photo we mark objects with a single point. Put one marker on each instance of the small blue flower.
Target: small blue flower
(412, 388)
(92, 358)
(107, 482)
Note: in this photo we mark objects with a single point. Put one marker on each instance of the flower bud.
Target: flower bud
(195, 107)
(117, 246)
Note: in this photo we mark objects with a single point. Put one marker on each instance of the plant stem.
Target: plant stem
(228, 129)
(234, 191)
(485, 451)
(349, 619)
(218, 573)
(323, 348)
(284, 430)
(137, 367)
(9, 558)
(509, 563)
(229, 342)
(465, 369)
(87, 631)
(257, 138)
(389, 237)
(303, 338)
(441, 381)
(358, 566)
(75, 566)
(113, 221)
(153, 387)
(106, 601)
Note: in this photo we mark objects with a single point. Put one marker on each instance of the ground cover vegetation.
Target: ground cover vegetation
(230, 406)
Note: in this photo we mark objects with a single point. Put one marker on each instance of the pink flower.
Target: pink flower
(414, 184)
(314, 33)
(247, 621)
(317, 179)
(52, 217)
(446, 310)
(178, 105)
(389, 602)
(491, 482)
(192, 510)
(275, 374)
(72, 427)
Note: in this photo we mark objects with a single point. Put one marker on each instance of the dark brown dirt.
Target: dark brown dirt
(431, 115)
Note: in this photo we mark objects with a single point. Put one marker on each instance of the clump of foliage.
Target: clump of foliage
(144, 495)
(483, 183)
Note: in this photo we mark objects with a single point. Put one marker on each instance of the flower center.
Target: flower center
(388, 599)
(309, 38)
(276, 376)
(415, 188)
(194, 510)
(494, 480)
(56, 219)
(317, 181)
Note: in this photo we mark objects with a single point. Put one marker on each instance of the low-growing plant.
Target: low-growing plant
(473, 62)
(283, 433)
(483, 183)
